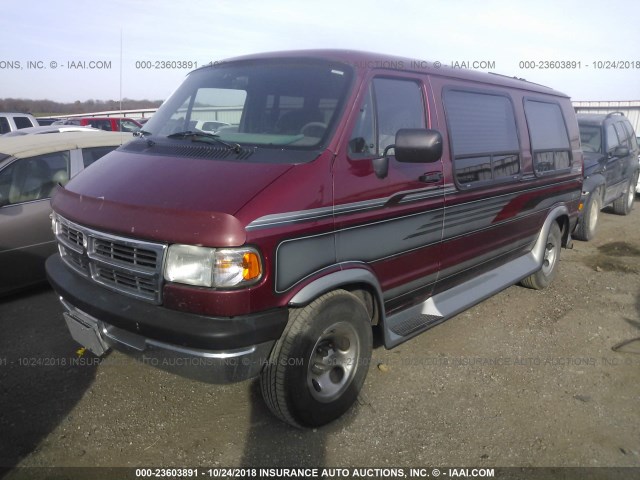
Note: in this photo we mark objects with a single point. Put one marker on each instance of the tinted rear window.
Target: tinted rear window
(23, 122)
(484, 137)
(548, 135)
(480, 123)
(4, 125)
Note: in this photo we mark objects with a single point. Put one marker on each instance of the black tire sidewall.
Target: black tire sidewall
(304, 407)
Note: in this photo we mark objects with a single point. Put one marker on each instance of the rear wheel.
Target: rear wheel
(624, 204)
(318, 366)
(543, 277)
(587, 224)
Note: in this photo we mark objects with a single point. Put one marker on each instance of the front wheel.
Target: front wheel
(543, 277)
(587, 224)
(318, 366)
(624, 204)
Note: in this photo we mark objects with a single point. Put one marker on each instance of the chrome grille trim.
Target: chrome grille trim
(125, 265)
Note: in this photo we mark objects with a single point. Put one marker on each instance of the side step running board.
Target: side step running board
(408, 323)
(402, 326)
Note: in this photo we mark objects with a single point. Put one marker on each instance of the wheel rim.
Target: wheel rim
(593, 216)
(550, 258)
(333, 362)
(631, 196)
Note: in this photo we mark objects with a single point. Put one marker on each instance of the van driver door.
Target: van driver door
(388, 214)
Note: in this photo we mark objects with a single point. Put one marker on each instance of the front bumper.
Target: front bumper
(213, 349)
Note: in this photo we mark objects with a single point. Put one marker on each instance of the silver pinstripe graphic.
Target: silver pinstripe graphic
(278, 219)
(299, 258)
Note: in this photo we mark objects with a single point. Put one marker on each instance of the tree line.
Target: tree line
(49, 108)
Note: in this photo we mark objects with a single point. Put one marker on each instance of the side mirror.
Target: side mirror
(620, 152)
(418, 145)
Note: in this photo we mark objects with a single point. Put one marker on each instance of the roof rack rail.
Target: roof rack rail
(517, 78)
(614, 113)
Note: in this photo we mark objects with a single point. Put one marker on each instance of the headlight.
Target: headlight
(212, 267)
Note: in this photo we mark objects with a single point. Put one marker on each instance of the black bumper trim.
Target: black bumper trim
(162, 324)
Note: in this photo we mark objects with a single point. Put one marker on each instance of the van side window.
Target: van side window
(398, 104)
(363, 137)
(484, 137)
(548, 135)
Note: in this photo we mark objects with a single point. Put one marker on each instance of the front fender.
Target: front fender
(591, 183)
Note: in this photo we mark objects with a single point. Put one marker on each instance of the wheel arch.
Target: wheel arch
(559, 215)
(355, 279)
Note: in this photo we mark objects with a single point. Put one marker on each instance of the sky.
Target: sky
(71, 50)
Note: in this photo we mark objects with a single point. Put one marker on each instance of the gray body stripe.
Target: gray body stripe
(298, 258)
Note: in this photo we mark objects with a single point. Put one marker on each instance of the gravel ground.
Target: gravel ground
(527, 378)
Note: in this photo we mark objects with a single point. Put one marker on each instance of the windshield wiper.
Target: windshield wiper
(204, 137)
(141, 133)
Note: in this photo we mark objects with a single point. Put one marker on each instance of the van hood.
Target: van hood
(166, 198)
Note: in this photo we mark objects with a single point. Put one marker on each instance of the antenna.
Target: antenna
(120, 70)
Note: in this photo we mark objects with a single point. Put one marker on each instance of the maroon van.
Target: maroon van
(348, 190)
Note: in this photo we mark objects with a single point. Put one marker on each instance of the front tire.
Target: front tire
(318, 366)
(543, 277)
(587, 224)
(624, 204)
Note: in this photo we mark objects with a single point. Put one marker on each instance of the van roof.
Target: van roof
(368, 60)
(30, 145)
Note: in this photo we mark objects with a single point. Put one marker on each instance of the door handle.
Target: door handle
(431, 177)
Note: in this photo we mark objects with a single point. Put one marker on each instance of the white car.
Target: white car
(50, 129)
(11, 121)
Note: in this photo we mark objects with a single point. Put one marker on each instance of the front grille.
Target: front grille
(124, 254)
(126, 281)
(73, 236)
(129, 266)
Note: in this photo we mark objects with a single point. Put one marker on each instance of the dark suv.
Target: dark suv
(610, 168)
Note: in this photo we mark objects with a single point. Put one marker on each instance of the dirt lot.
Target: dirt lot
(526, 378)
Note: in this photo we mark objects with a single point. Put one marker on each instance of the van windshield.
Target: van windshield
(271, 104)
